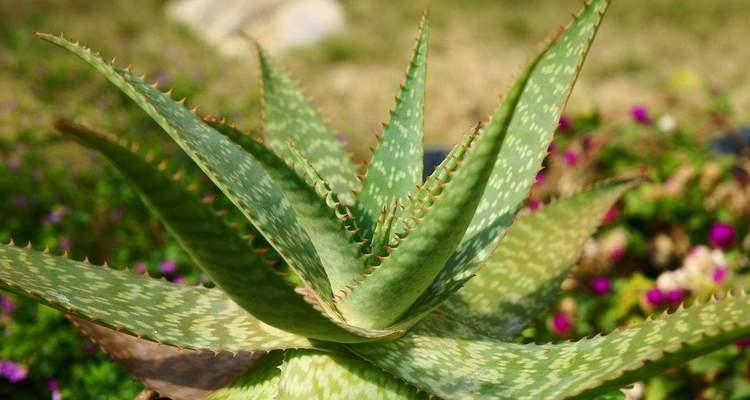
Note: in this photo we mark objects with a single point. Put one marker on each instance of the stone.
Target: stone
(276, 24)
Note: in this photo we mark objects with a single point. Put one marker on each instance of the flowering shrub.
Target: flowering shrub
(41, 355)
(677, 239)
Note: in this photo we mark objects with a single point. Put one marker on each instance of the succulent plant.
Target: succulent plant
(382, 287)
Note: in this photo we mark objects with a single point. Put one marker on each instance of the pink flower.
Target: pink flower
(12, 371)
(617, 254)
(535, 205)
(168, 267)
(611, 216)
(721, 235)
(7, 305)
(655, 296)
(65, 244)
(675, 296)
(720, 274)
(562, 324)
(565, 124)
(570, 157)
(601, 285)
(140, 267)
(14, 164)
(179, 279)
(639, 113)
(742, 343)
(539, 179)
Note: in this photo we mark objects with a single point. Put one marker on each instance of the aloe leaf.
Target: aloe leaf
(520, 279)
(451, 360)
(410, 268)
(395, 169)
(327, 221)
(332, 376)
(289, 117)
(227, 258)
(529, 136)
(259, 383)
(235, 172)
(175, 373)
(190, 317)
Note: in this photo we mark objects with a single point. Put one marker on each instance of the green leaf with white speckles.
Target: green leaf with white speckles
(259, 383)
(529, 136)
(317, 207)
(395, 169)
(190, 317)
(451, 360)
(289, 117)
(522, 277)
(219, 249)
(236, 173)
(317, 375)
(178, 374)
(437, 228)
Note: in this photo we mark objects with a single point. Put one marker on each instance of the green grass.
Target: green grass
(477, 44)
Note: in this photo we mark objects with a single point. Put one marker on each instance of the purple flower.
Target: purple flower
(552, 148)
(139, 267)
(565, 124)
(12, 371)
(535, 205)
(168, 267)
(570, 157)
(742, 343)
(617, 254)
(639, 113)
(54, 386)
(19, 201)
(655, 296)
(14, 164)
(7, 305)
(611, 216)
(675, 296)
(539, 179)
(65, 244)
(56, 215)
(562, 324)
(721, 236)
(601, 285)
(720, 274)
(179, 279)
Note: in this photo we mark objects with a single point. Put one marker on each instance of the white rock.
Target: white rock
(276, 24)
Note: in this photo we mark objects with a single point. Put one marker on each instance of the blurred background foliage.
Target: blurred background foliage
(666, 78)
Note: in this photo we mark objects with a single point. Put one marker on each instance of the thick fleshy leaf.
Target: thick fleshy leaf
(395, 169)
(289, 117)
(452, 361)
(240, 270)
(529, 136)
(259, 383)
(332, 376)
(318, 208)
(523, 276)
(171, 372)
(437, 228)
(238, 175)
(182, 316)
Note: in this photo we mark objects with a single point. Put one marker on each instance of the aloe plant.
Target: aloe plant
(396, 288)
